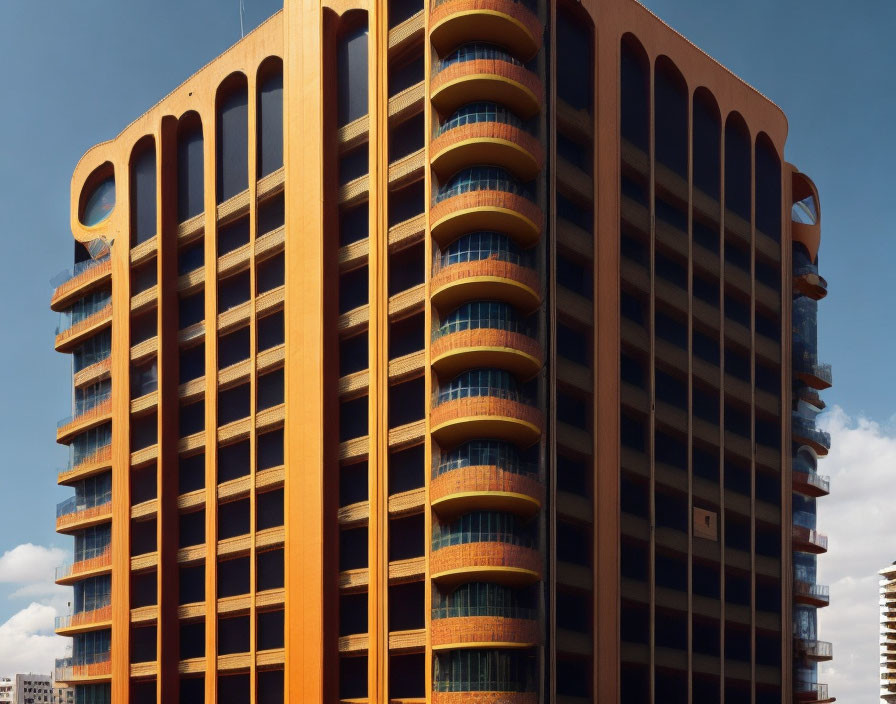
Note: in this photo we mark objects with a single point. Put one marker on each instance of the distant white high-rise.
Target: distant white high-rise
(888, 634)
(34, 689)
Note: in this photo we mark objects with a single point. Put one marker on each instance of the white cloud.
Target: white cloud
(29, 563)
(27, 639)
(27, 642)
(857, 517)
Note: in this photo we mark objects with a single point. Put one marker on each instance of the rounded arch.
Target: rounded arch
(575, 56)
(190, 166)
(768, 187)
(97, 199)
(707, 142)
(142, 165)
(269, 122)
(634, 73)
(351, 67)
(737, 166)
(805, 214)
(670, 96)
(232, 136)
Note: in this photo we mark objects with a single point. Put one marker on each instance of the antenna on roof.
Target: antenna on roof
(242, 10)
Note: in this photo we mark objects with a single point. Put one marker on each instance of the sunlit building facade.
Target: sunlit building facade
(445, 353)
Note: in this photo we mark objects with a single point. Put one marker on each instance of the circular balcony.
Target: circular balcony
(484, 615)
(489, 133)
(493, 676)
(488, 546)
(485, 474)
(510, 24)
(484, 403)
(485, 333)
(485, 266)
(485, 198)
(481, 71)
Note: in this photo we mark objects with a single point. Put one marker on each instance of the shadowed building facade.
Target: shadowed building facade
(445, 353)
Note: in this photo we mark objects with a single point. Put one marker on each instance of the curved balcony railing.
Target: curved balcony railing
(479, 71)
(807, 281)
(102, 558)
(814, 649)
(494, 383)
(809, 540)
(493, 546)
(485, 132)
(485, 198)
(481, 453)
(486, 333)
(483, 527)
(818, 594)
(65, 334)
(805, 430)
(76, 464)
(485, 265)
(475, 315)
(485, 474)
(807, 368)
(484, 403)
(811, 483)
(83, 310)
(481, 178)
(483, 612)
(93, 405)
(97, 665)
(811, 692)
(480, 112)
(484, 670)
(76, 511)
(476, 51)
(68, 281)
(99, 615)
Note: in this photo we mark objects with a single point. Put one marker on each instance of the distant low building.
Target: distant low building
(34, 689)
(6, 690)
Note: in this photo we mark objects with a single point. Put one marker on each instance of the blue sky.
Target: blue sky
(79, 72)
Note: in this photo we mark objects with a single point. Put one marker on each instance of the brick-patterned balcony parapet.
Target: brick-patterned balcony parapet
(483, 486)
(493, 278)
(507, 83)
(507, 349)
(500, 21)
(68, 427)
(66, 338)
(507, 212)
(67, 573)
(100, 669)
(84, 619)
(99, 460)
(484, 698)
(490, 142)
(506, 563)
(484, 631)
(79, 516)
(486, 416)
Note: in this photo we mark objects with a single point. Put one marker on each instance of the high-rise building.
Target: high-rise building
(446, 353)
(888, 634)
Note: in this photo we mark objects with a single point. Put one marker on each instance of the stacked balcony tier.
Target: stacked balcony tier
(485, 266)
(485, 133)
(485, 475)
(480, 71)
(484, 403)
(485, 198)
(511, 24)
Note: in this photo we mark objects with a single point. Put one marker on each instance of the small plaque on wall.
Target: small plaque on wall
(706, 524)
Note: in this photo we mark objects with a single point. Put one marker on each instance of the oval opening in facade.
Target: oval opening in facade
(99, 203)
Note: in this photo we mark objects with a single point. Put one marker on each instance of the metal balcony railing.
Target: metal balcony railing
(66, 276)
(97, 615)
(820, 592)
(815, 648)
(91, 405)
(820, 691)
(101, 558)
(806, 429)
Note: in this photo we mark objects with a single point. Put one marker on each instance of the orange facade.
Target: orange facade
(365, 411)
